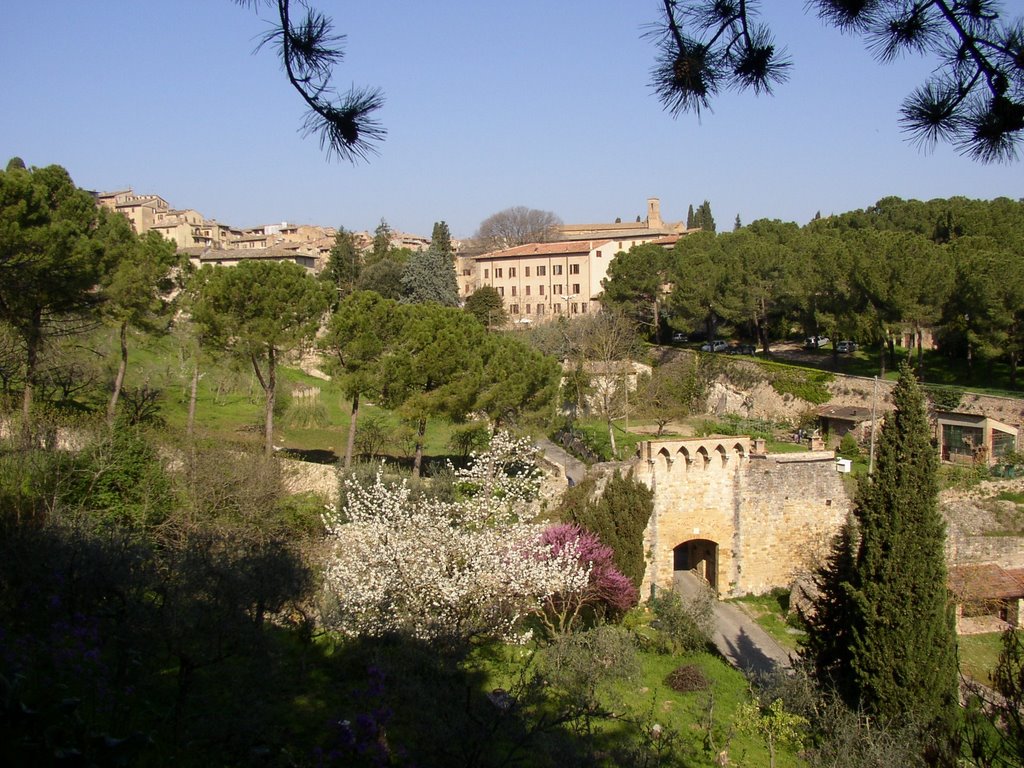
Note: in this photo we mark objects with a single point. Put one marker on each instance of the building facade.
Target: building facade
(539, 281)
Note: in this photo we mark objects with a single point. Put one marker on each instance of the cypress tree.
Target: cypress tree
(894, 647)
(441, 238)
(618, 517)
(689, 217)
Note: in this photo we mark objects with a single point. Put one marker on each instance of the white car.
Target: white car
(714, 346)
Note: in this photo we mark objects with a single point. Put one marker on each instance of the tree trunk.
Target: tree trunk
(351, 444)
(417, 462)
(920, 350)
(122, 367)
(269, 385)
(32, 343)
(193, 391)
(891, 343)
(657, 323)
(611, 438)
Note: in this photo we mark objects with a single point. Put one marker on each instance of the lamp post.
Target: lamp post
(567, 299)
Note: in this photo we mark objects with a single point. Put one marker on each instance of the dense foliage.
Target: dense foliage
(897, 269)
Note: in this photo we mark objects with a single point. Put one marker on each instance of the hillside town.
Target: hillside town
(653, 490)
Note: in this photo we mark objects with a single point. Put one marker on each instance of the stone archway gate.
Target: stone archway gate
(770, 516)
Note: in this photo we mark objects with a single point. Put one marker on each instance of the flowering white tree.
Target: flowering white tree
(432, 569)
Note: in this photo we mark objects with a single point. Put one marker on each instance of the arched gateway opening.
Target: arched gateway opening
(699, 555)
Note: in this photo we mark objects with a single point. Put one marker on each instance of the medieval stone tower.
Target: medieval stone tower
(654, 213)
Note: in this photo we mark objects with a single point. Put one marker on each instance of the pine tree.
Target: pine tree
(894, 647)
(737, 225)
(689, 217)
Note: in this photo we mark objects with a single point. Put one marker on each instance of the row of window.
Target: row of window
(576, 308)
(556, 269)
(556, 290)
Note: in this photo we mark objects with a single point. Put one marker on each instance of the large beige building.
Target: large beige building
(539, 281)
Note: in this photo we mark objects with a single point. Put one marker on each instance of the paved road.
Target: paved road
(737, 636)
(575, 470)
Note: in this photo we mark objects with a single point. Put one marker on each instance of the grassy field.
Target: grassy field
(229, 404)
(699, 724)
(979, 655)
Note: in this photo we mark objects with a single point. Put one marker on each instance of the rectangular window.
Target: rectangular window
(527, 290)
(540, 309)
(501, 290)
(526, 271)
(599, 254)
(514, 309)
(556, 269)
(511, 271)
(575, 308)
(574, 269)
(620, 245)
(527, 309)
(513, 290)
(540, 290)
(497, 272)
(583, 308)
(557, 308)
(487, 273)
(558, 288)
(575, 287)
(541, 271)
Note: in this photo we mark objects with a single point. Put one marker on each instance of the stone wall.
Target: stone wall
(771, 516)
(1004, 551)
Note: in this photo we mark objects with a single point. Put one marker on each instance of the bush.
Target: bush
(467, 438)
(580, 664)
(805, 384)
(848, 447)
(684, 625)
(371, 436)
(120, 481)
(943, 398)
(306, 413)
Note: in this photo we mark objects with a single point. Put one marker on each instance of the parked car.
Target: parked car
(845, 347)
(741, 349)
(679, 337)
(815, 342)
(714, 346)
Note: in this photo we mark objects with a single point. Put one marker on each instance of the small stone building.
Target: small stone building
(988, 598)
(970, 438)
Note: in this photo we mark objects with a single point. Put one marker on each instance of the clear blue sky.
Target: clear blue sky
(537, 103)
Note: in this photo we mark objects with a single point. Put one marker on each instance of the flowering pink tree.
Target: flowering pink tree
(433, 569)
(606, 590)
